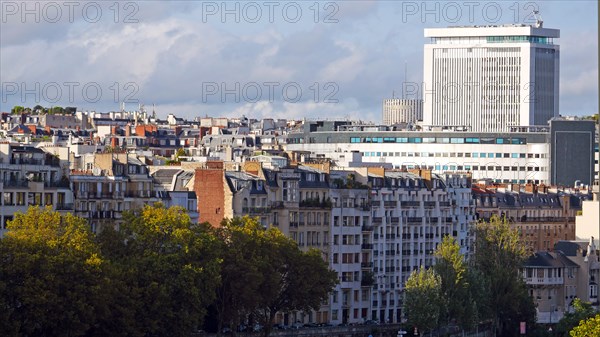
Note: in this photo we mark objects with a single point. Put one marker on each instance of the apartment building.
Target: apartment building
(30, 177)
(373, 226)
(109, 184)
(543, 215)
(555, 279)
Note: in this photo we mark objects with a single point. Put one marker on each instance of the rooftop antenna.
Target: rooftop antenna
(538, 19)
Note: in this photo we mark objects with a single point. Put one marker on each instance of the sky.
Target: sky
(295, 59)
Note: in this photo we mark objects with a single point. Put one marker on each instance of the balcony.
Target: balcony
(410, 203)
(444, 203)
(277, 204)
(429, 204)
(294, 224)
(377, 219)
(414, 220)
(544, 280)
(256, 210)
(315, 203)
(366, 264)
(16, 183)
(367, 228)
(395, 220)
(390, 203)
(390, 236)
(366, 246)
(63, 207)
(101, 214)
(363, 207)
(547, 219)
(60, 183)
(26, 161)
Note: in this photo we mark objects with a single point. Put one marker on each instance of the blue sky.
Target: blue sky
(262, 59)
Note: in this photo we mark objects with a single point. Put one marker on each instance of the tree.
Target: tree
(169, 268)
(51, 278)
(278, 277)
(422, 299)
(587, 328)
(458, 301)
(581, 311)
(17, 109)
(499, 254)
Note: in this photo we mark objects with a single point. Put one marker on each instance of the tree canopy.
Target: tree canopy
(498, 256)
(51, 276)
(422, 299)
(154, 275)
(277, 275)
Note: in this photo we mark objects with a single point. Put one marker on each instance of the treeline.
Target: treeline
(158, 274)
(485, 288)
(55, 110)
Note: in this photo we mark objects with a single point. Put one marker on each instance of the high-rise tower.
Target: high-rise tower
(489, 78)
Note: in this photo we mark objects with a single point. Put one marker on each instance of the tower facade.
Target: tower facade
(490, 78)
(396, 110)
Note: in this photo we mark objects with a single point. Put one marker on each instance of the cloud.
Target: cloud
(171, 56)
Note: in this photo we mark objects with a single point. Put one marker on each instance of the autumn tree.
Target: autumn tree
(51, 278)
(422, 301)
(498, 256)
(581, 311)
(587, 328)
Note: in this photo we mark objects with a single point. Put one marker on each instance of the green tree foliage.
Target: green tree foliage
(498, 257)
(17, 109)
(587, 328)
(51, 279)
(169, 270)
(277, 276)
(422, 299)
(581, 311)
(458, 302)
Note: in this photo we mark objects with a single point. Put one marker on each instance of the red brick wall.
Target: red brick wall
(210, 191)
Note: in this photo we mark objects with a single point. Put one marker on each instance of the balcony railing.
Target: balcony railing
(15, 183)
(410, 203)
(64, 207)
(546, 219)
(26, 161)
(429, 204)
(366, 246)
(101, 214)
(256, 210)
(390, 203)
(377, 219)
(367, 228)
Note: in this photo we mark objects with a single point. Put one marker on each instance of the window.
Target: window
(20, 198)
(8, 198)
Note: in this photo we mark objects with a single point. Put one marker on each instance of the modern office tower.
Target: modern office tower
(396, 110)
(489, 78)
